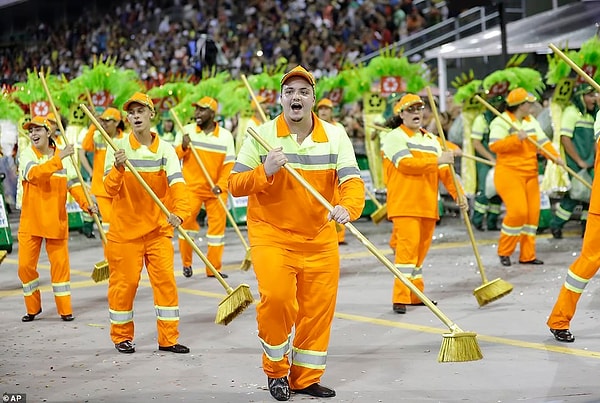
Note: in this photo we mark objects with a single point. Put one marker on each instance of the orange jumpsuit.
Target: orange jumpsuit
(46, 180)
(586, 265)
(295, 253)
(516, 181)
(413, 174)
(140, 235)
(94, 142)
(217, 153)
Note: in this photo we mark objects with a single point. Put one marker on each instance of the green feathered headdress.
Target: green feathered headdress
(353, 80)
(9, 109)
(32, 90)
(390, 64)
(466, 88)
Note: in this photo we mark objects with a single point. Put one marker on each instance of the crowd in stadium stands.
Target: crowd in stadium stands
(158, 38)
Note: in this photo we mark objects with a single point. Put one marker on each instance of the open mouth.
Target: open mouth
(296, 107)
(35, 139)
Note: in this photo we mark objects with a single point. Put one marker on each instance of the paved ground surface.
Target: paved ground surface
(374, 356)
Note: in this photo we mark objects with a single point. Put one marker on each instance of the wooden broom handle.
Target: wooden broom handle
(539, 147)
(260, 109)
(575, 67)
(86, 193)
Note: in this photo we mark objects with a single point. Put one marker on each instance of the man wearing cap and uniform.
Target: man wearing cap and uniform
(295, 253)
(413, 163)
(140, 233)
(47, 174)
(214, 145)
(516, 175)
(577, 139)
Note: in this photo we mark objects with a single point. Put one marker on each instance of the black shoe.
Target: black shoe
(187, 271)
(505, 260)
(316, 390)
(563, 335)
(30, 317)
(399, 308)
(222, 275)
(423, 304)
(89, 235)
(556, 233)
(279, 388)
(479, 227)
(534, 261)
(67, 318)
(176, 348)
(125, 347)
(493, 228)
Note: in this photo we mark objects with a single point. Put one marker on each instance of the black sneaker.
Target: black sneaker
(279, 388)
(30, 317)
(399, 308)
(556, 233)
(187, 271)
(125, 347)
(176, 348)
(563, 335)
(505, 260)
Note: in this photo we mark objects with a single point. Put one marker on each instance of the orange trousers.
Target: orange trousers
(296, 289)
(412, 239)
(521, 196)
(60, 272)
(215, 234)
(105, 207)
(126, 261)
(578, 276)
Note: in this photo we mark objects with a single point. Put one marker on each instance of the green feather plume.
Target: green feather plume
(9, 109)
(32, 90)
(467, 91)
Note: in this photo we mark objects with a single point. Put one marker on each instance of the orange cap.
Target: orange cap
(139, 98)
(111, 114)
(406, 101)
(298, 71)
(325, 102)
(518, 96)
(51, 117)
(40, 121)
(207, 102)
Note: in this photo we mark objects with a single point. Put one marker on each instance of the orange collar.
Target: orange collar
(318, 134)
(37, 152)
(214, 132)
(407, 130)
(135, 144)
(256, 120)
(514, 118)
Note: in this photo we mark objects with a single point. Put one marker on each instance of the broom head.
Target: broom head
(247, 263)
(492, 291)
(234, 304)
(459, 347)
(3, 255)
(101, 271)
(380, 214)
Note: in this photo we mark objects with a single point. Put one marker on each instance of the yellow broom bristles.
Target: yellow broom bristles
(247, 262)
(379, 215)
(101, 271)
(234, 304)
(492, 291)
(3, 255)
(459, 347)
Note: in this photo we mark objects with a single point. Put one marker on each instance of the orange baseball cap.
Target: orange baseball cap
(207, 102)
(325, 102)
(518, 96)
(298, 71)
(406, 101)
(111, 114)
(139, 98)
(51, 117)
(39, 121)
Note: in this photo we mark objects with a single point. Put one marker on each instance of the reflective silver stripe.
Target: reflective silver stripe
(480, 207)
(543, 141)
(345, 173)
(212, 147)
(28, 167)
(511, 231)
(566, 130)
(120, 317)
(148, 163)
(309, 358)
(72, 182)
(588, 124)
(229, 158)
(167, 313)
(276, 353)
(575, 283)
(417, 273)
(107, 171)
(31, 287)
(177, 176)
(529, 230)
(406, 269)
(99, 145)
(562, 213)
(421, 147)
(215, 240)
(61, 289)
(191, 233)
(61, 172)
(399, 155)
(239, 167)
(495, 208)
(328, 159)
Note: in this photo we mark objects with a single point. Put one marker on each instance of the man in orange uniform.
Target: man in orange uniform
(214, 145)
(294, 243)
(46, 174)
(583, 268)
(414, 163)
(94, 142)
(516, 175)
(140, 234)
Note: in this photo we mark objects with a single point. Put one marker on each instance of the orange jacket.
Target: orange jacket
(134, 212)
(94, 142)
(46, 180)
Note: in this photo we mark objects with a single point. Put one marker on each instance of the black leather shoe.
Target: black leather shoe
(479, 227)
(176, 348)
(505, 260)
(534, 261)
(90, 235)
(224, 275)
(125, 347)
(30, 317)
(316, 390)
(423, 304)
(187, 271)
(556, 233)
(399, 308)
(279, 388)
(67, 318)
(563, 335)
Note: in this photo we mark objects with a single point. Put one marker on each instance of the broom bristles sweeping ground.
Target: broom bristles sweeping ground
(234, 304)
(492, 291)
(247, 262)
(459, 346)
(379, 215)
(101, 271)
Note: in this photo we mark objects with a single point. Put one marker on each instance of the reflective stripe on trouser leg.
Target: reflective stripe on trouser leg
(528, 232)
(563, 212)
(60, 274)
(29, 253)
(215, 234)
(581, 271)
(192, 228)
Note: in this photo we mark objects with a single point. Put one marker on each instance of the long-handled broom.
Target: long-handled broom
(247, 262)
(101, 270)
(457, 346)
(539, 147)
(488, 291)
(575, 67)
(237, 300)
